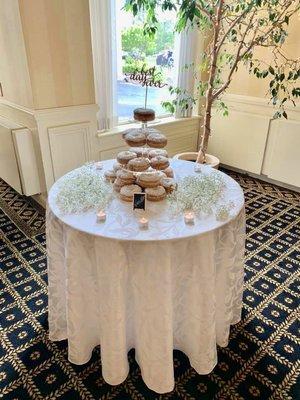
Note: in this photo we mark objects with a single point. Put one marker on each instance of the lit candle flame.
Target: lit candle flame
(143, 223)
(101, 216)
(189, 217)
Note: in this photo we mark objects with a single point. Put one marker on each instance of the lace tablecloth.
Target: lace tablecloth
(172, 286)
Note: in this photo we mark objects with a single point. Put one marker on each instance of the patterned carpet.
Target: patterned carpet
(262, 360)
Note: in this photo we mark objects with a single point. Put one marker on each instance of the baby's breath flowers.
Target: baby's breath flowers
(83, 189)
(223, 211)
(86, 189)
(201, 194)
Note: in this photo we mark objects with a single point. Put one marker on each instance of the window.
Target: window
(135, 50)
(119, 46)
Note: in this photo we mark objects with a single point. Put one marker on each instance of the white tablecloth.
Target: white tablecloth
(170, 287)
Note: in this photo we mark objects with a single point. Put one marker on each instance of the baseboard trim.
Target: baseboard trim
(263, 178)
(41, 199)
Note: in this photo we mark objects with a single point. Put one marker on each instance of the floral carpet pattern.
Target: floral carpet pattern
(262, 360)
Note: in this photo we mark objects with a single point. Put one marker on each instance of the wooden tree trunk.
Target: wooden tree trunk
(206, 129)
(209, 94)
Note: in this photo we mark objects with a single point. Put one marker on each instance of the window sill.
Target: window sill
(161, 122)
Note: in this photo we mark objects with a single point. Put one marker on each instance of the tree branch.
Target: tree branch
(232, 25)
(236, 60)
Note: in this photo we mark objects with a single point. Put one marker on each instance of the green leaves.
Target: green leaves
(181, 100)
(169, 106)
(296, 92)
(280, 114)
(282, 88)
(222, 107)
(271, 70)
(261, 73)
(244, 26)
(168, 5)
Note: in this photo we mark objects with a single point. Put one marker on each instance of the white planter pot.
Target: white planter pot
(211, 160)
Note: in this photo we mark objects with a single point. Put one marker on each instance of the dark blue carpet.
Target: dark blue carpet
(261, 361)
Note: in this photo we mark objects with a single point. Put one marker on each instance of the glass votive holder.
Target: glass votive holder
(198, 167)
(189, 218)
(143, 223)
(101, 216)
(99, 165)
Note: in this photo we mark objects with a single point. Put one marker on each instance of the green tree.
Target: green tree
(164, 38)
(237, 28)
(134, 39)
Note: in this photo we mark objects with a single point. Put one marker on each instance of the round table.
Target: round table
(172, 286)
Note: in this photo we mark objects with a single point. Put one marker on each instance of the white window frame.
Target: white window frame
(104, 48)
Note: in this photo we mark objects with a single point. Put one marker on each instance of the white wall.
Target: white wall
(251, 140)
(14, 73)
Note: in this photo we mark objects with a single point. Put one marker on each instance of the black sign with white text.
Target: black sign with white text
(139, 201)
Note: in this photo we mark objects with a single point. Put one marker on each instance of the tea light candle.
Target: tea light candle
(197, 167)
(189, 218)
(144, 223)
(99, 165)
(101, 216)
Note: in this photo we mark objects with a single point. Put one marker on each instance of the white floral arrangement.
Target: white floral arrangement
(222, 212)
(201, 194)
(83, 189)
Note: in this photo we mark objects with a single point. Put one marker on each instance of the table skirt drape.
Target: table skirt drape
(151, 296)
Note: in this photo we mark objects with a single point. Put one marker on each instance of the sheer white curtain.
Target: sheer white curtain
(189, 55)
(103, 31)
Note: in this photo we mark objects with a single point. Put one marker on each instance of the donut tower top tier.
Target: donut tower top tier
(145, 165)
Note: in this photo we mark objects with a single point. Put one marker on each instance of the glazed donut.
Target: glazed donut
(117, 166)
(137, 139)
(144, 114)
(158, 152)
(169, 184)
(168, 172)
(127, 192)
(148, 179)
(125, 177)
(157, 193)
(157, 140)
(159, 162)
(110, 176)
(138, 164)
(118, 183)
(140, 151)
(124, 156)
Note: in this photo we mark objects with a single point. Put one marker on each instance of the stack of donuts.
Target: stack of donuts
(144, 167)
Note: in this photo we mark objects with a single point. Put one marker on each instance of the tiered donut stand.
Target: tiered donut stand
(145, 167)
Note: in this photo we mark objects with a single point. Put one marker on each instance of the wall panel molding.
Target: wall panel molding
(69, 147)
(257, 105)
(27, 161)
(251, 140)
(282, 156)
(67, 128)
(239, 140)
(9, 170)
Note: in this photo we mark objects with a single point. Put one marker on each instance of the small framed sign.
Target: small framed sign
(139, 201)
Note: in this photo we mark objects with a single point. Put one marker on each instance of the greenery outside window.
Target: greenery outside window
(135, 50)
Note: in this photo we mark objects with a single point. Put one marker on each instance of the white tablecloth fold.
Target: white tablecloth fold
(154, 296)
